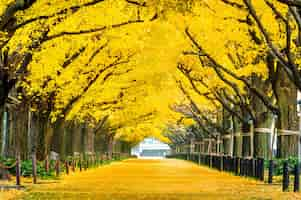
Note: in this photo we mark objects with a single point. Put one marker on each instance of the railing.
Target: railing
(58, 166)
(247, 167)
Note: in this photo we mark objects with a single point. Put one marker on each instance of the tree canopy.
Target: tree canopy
(135, 63)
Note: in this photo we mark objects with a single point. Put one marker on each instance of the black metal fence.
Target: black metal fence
(247, 167)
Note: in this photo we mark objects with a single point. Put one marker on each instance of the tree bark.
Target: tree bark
(110, 145)
(4, 130)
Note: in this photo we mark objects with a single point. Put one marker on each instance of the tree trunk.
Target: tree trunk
(110, 145)
(288, 119)
(76, 137)
(48, 138)
(90, 139)
(4, 138)
(33, 129)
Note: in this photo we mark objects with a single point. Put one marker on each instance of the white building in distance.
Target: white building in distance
(150, 147)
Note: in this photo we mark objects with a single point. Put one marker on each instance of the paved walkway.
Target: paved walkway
(155, 180)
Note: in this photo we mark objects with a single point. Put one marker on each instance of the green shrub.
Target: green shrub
(26, 168)
(278, 165)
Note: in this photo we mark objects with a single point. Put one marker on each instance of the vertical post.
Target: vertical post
(251, 138)
(73, 165)
(252, 167)
(80, 164)
(236, 161)
(273, 136)
(271, 167)
(34, 167)
(261, 172)
(85, 165)
(57, 167)
(67, 167)
(285, 179)
(47, 164)
(18, 169)
(297, 178)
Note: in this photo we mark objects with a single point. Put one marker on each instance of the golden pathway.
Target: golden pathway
(155, 180)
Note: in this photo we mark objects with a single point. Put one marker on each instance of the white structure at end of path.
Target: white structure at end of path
(151, 148)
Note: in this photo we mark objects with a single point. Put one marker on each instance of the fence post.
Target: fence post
(285, 179)
(34, 167)
(85, 165)
(80, 164)
(73, 165)
(249, 167)
(18, 170)
(57, 168)
(256, 168)
(253, 168)
(240, 167)
(236, 161)
(221, 163)
(67, 167)
(261, 171)
(271, 167)
(46, 164)
(297, 178)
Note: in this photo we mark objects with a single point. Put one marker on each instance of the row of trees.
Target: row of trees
(73, 77)
(242, 78)
(77, 72)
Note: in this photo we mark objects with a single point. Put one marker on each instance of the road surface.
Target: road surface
(155, 180)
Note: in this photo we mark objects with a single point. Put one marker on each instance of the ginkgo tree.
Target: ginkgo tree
(82, 61)
(121, 68)
(241, 57)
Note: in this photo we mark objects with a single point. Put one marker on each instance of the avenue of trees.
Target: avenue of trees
(242, 76)
(101, 75)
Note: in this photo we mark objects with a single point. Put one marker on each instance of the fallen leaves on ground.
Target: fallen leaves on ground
(155, 180)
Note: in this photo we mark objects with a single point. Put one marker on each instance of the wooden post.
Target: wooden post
(34, 168)
(73, 165)
(67, 167)
(57, 168)
(80, 165)
(297, 178)
(18, 170)
(285, 179)
(85, 165)
(47, 164)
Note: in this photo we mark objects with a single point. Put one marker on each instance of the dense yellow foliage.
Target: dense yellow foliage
(119, 59)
